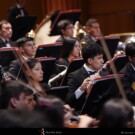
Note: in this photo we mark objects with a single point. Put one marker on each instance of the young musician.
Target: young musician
(28, 49)
(70, 50)
(37, 73)
(16, 95)
(128, 80)
(78, 80)
(6, 34)
(66, 29)
(92, 31)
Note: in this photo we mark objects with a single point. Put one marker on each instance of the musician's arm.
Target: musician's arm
(74, 86)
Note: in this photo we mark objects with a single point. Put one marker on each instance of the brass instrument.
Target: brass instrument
(60, 75)
(125, 37)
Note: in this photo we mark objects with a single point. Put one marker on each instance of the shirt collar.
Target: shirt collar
(133, 67)
(88, 69)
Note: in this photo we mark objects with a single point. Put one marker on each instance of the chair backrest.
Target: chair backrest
(74, 65)
(60, 92)
(7, 55)
(48, 64)
(111, 42)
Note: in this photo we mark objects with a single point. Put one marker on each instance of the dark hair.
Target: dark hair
(130, 49)
(90, 22)
(3, 22)
(52, 107)
(32, 62)
(116, 112)
(90, 50)
(11, 89)
(21, 41)
(21, 119)
(67, 47)
(64, 23)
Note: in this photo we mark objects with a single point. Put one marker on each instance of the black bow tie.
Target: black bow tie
(91, 72)
(6, 41)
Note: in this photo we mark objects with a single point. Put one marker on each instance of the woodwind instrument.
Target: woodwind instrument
(103, 71)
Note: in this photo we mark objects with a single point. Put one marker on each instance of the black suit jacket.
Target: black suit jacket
(13, 12)
(87, 38)
(60, 39)
(3, 44)
(15, 69)
(127, 81)
(75, 79)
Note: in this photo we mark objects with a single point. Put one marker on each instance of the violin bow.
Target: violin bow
(39, 90)
(108, 55)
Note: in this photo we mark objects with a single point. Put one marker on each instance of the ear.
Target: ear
(62, 31)
(89, 61)
(130, 58)
(13, 102)
(21, 49)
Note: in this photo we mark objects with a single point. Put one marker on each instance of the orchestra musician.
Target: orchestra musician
(17, 10)
(70, 50)
(60, 115)
(27, 48)
(35, 67)
(16, 95)
(116, 113)
(6, 34)
(92, 31)
(66, 29)
(128, 80)
(78, 80)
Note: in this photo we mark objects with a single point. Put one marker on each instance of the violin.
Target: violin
(73, 122)
(70, 120)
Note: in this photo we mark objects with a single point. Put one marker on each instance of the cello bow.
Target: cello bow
(26, 69)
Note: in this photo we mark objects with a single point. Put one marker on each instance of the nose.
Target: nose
(41, 72)
(102, 61)
(34, 103)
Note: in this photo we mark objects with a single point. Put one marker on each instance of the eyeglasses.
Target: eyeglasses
(70, 27)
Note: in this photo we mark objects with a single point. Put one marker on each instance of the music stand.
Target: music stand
(111, 42)
(22, 25)
(74, 65)
(120, 62)
(102, 90)
(49, 50)
(47, 66)
(60, 92)
(58, 15)
(7, 55)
